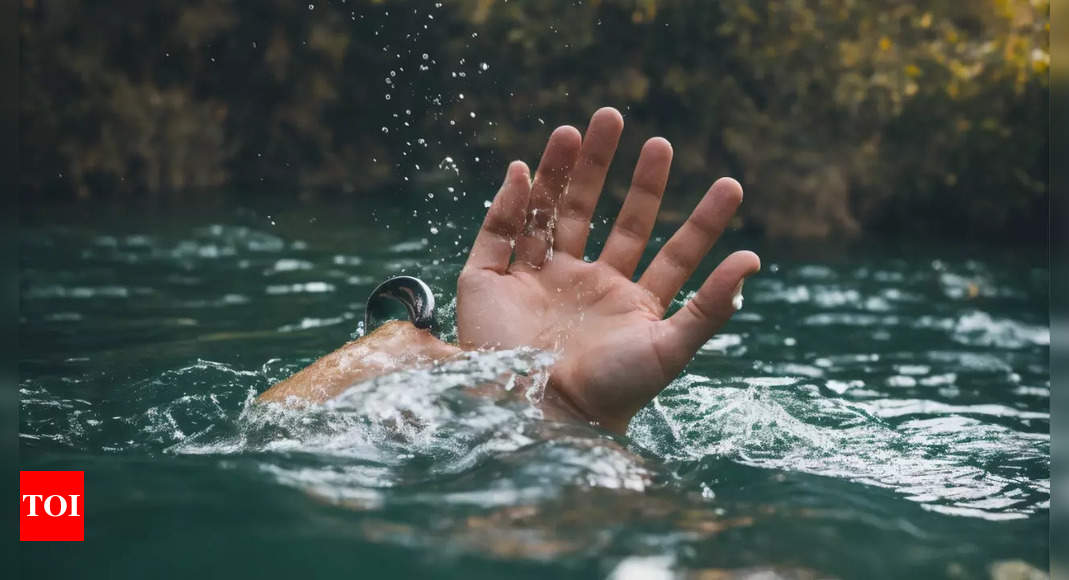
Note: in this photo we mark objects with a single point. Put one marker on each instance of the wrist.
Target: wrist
(401, 339)
(564, 404)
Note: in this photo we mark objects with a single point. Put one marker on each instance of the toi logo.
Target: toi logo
(51, 506)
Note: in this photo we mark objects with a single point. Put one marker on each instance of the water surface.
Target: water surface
(876, 410)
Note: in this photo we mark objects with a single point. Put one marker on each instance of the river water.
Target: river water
(876, 410)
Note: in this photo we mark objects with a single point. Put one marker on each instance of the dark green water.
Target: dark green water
(875, 411)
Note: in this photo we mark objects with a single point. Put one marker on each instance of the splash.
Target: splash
(929, 455)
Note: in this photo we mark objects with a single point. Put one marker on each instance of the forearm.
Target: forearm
(392, 347)
(395, 346)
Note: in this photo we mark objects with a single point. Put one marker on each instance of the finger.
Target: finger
(631, 232)
(676, 261)
(550, 180)
(504, 221)
(587, 179)
(699, 319)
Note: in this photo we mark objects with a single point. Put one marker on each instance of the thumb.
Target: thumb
(700, 318)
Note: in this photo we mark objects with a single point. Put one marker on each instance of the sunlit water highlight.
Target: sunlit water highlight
(872, 416)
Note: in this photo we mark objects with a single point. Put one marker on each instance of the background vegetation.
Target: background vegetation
(839, 116)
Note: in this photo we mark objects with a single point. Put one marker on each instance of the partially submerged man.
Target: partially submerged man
(526, 283)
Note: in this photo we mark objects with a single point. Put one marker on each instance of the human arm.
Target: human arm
(526, 281)
(394, 346)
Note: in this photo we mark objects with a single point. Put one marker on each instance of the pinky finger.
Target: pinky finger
(699, 319)
(504, 221)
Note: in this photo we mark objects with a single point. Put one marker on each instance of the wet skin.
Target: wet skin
(526, 283)
(393, 346)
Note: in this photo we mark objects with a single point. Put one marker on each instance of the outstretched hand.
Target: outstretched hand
(526, 282)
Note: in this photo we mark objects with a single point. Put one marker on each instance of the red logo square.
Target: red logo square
(51, 506)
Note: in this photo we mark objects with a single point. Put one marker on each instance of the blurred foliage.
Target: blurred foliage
(837, 115)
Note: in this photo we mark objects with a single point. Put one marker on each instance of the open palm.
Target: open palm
(526, 282)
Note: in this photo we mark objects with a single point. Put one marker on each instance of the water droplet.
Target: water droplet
(449, 165)
(487, 203)
(484, 66)
(311, 6)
